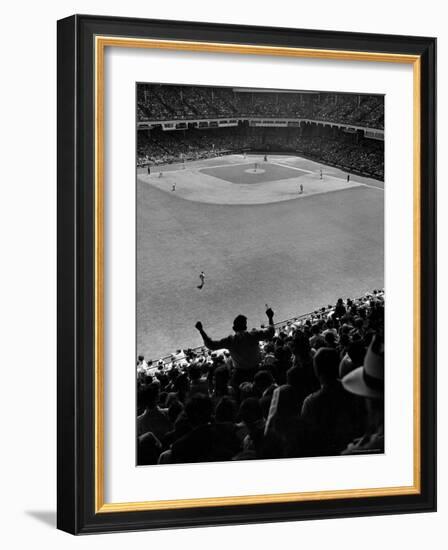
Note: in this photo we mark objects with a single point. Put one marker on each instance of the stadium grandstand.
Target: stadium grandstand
(190, 123)
(303, 398)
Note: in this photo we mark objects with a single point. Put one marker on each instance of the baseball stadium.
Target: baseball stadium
(261, 208)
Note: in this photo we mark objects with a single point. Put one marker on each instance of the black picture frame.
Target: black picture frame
(76, 255)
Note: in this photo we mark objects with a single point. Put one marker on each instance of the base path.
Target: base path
(235, 180)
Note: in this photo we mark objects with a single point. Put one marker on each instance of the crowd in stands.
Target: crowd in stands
(313, 386)
(167, 102)
(337, 148)
(364, 157)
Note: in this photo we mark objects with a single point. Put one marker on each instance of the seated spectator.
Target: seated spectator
(153, 419)
(343, 344)
(339, 310)
(263, 381)
(198, 384)
(368, 382)
(353, 358)
(282, 363)
(251, 428)
(269, 357)
(330, 340)
(148, 449)
(303, 358)
(330, 329)
(265, 403)
(181, 386)
(225, 410)
(330, 412)
(301, 349)
(174, 410)
(285, 430)
(206, 442)
(316, 340)
(221, 387)
(142, 365)
(298, 380)
(357, 333)
(246, 390)
(181, 426)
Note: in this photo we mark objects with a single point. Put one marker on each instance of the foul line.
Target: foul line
(371, 186)
(334, 177)
(270, 162)
(292, 167)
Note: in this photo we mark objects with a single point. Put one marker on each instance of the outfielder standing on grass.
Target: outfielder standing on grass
(202, 277)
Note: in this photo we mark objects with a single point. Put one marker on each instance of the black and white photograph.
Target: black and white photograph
(260, 274)
(224, 273)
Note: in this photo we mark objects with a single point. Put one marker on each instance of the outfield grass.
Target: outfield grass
(295, 255)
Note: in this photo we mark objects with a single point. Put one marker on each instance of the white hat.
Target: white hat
(368, 380)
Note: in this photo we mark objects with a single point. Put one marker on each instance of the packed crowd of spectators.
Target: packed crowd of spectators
(167, 102)
(313, 386)
(363, 156)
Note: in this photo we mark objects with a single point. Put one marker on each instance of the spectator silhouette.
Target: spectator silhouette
(330, 412)
(153, 419)
(243, 346)
(206, 442)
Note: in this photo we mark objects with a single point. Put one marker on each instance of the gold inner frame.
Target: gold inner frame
(101, 42)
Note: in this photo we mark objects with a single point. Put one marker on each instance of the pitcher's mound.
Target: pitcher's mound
(255, 171)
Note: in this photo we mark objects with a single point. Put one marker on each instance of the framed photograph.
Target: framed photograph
(246, 274)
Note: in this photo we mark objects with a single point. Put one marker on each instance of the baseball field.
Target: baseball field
(287, 232)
